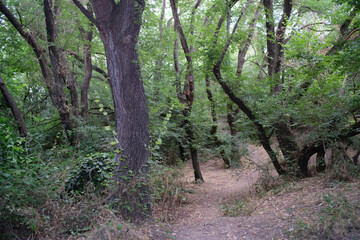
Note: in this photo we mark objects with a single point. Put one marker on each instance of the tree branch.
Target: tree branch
(87, 13)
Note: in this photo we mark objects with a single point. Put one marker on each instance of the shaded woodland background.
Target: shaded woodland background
(82, 128)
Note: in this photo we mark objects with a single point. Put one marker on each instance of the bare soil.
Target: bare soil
(274, 215)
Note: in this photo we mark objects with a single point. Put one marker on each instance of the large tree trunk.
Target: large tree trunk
(287, 144)
(14, 109)
(119, 26)
(318, 146)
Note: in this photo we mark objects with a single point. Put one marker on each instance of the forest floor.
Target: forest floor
(247, 203)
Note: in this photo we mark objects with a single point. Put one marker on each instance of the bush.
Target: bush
(23, 183)
(95, 168)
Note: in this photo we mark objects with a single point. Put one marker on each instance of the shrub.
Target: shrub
(23, 183)
(95, 168)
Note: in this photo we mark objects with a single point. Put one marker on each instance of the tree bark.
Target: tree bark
(87, 71)
(230, 117)
(214, 126)
(14, 109)
(275, 40)
(119, 26)
(74, 97)
(356, 157)
(246, 44)
(287, 143)
(189, 88)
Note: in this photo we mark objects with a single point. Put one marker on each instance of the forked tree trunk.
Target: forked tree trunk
(14, 108)
(187, 95)
(119, 26)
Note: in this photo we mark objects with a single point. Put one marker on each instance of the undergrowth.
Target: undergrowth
(339, 218)
(237, 208)
(167, 191)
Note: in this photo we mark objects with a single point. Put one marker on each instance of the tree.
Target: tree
(51, 71)
(189, 88)
(119, 26)
(14, 108)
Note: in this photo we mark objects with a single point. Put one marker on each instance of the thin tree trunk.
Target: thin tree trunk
(88, 36)
(14, 109)
(193, 150)
(74, 97)
(213, 130)
(180, 95)
(264, 140)
(230, 117)
(188, 91)
(246, 44)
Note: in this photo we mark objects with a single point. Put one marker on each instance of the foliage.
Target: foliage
(95, 168)
(25, 182)
(319, 78)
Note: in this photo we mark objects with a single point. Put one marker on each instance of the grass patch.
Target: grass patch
(237, 208)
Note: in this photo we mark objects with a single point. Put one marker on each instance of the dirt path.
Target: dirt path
(202, 218)
(275, 216)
